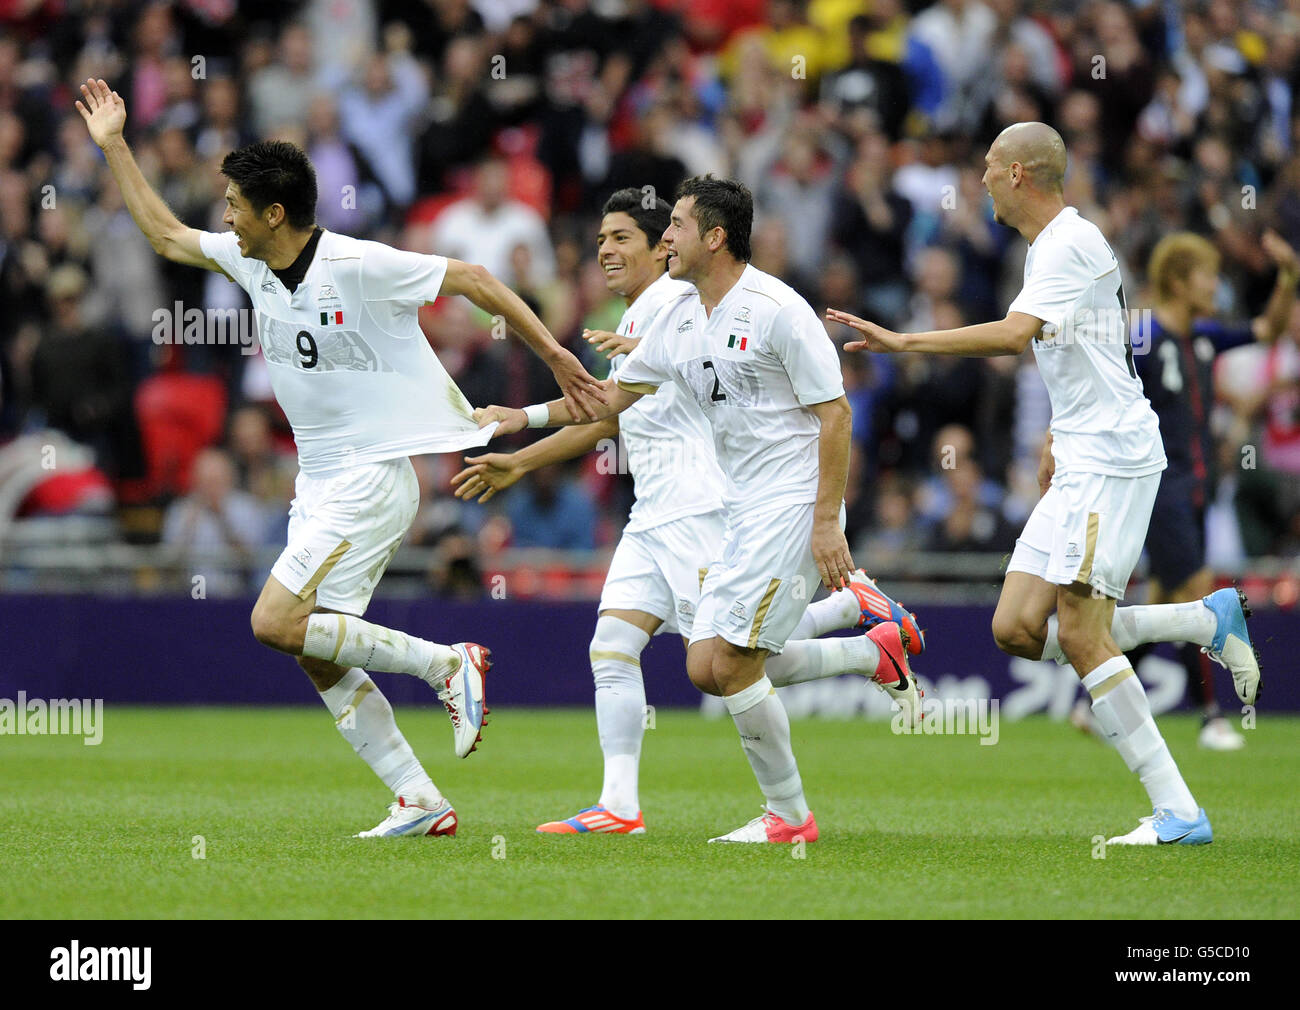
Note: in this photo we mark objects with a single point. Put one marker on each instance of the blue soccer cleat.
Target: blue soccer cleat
(1163, 828)
(1231, 647)
(877, 608)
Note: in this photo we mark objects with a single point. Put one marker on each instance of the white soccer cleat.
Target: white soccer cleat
(1163, 828)
(462, 694)
(769, 828)
(1217, 734)
(408, 819)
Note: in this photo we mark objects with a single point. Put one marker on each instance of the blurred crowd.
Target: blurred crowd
(492, 131)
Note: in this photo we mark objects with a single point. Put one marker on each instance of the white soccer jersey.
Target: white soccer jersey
(1101, 421)
(754, 365)
(348, 363)
(668, 442)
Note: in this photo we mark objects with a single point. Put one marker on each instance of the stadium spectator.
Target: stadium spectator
(461, 118)
(222, 128)
(80, 380)
(216, 522)
(1188, 122)
(870, 221)
(264, 468)
(485, 227)
(379, 115)
(349, 198)
(894, 534)
(800, 189)
(869, 92)
(280, 92)
(551, 509)
(955, 36)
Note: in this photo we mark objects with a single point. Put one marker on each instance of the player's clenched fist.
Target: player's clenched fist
(485, 476)
(874, 338)
(103, 110)
(509, 419)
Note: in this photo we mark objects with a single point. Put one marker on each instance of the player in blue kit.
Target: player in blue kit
(1176, 369)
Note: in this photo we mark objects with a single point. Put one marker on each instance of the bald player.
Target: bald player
(1099, 473)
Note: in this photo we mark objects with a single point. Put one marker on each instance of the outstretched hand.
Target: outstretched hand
(610, 344)
(103, 111)
(874, 338)
(485, 476)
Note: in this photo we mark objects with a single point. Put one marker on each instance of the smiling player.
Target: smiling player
(363, 390)
(674, 529)
(755, 359)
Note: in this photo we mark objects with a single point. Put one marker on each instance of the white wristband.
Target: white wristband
(539, 415)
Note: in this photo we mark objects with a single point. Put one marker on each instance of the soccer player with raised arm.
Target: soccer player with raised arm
(363, 390)
(1099, 474)
(754, 357)
(674, 529)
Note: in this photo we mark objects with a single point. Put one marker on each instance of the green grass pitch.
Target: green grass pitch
(911, 826)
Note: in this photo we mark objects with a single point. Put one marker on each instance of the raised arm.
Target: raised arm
(829, 547)
(1272, 323)
(105, 115)
(496, 471)
(581, 391)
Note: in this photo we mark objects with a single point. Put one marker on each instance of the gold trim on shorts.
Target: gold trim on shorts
(764, 605)
(335, 556)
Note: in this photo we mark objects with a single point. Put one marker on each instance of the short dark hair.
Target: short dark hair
(275, 171)
(652, 214)
(725, 204)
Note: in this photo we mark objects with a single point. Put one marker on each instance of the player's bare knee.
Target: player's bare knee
(1014, 638)
(277, 631)
(699, 667)
(705, 683)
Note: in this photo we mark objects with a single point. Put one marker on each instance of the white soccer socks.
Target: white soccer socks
(365, 719)
(1133, 626)
(1169, 622)
(350, 641)
(802, 661)
(620, 710)
(1120, 705)
(765, 736)
(838, 611)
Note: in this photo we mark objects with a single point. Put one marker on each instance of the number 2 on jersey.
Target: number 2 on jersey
(718, 396)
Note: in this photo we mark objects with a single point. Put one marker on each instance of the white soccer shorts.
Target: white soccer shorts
(344, 530)
(1089, 528)
(754, 596)
(659, 571)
